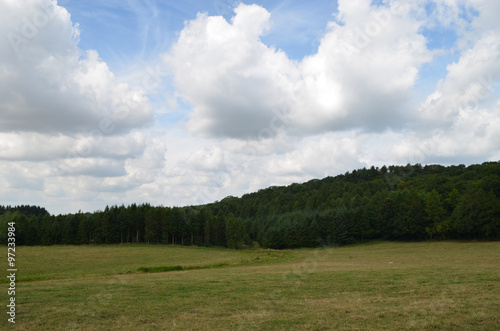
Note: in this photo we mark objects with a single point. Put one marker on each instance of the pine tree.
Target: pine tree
(234, 235)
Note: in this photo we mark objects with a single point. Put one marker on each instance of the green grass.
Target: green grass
(59, 262)
(398, 286)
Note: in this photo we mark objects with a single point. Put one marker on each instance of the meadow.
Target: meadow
(382, 285)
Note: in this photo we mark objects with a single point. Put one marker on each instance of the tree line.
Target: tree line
(411, 202)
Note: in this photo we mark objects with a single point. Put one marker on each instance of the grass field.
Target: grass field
(399, 286)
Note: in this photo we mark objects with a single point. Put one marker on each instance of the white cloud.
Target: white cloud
(464, 105)
(226, 73)
(66, 124)
(364, 70)
(49, 86)
(235, 83)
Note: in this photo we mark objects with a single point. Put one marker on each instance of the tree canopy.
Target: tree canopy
(411, 202)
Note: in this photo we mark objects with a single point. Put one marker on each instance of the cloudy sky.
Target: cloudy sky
(186, 102)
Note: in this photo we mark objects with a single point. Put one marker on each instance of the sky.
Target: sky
(179, 103)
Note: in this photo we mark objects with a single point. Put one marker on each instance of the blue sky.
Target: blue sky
(186, 102)
(122, 30)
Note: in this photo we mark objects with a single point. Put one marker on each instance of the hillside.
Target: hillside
(412, 202)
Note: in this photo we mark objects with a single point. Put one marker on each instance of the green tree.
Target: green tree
(152, 226)
(234, 232)
(273, 238)
(436, 213)
(83, 236)
(474, 214)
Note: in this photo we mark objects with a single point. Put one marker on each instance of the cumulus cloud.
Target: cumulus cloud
(49, 85)
(360, 77)
(228, 75)
(464, 107)
(54, 97)
(365, 68)
(469, 83)
(67, 125)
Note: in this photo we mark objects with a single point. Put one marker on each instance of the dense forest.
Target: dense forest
(407, 203)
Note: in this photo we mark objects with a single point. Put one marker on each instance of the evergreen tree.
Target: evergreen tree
(234, 235)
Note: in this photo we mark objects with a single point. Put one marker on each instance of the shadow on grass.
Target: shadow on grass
(271, 255)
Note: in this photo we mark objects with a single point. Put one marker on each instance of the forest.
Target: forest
(403, 203)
